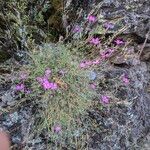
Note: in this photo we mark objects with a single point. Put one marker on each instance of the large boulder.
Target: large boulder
(133, 13)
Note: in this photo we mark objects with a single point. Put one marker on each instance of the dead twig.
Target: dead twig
(143, 46)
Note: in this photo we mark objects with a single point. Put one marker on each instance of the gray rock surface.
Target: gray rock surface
(124, 124)
(133, 13)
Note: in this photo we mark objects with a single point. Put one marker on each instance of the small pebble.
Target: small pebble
(92, 75)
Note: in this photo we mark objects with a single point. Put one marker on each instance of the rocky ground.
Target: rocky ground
(124, 124)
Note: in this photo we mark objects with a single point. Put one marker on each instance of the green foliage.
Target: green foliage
(73, 97)
(23, 21)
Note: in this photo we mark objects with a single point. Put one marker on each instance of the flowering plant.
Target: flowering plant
(61, 87)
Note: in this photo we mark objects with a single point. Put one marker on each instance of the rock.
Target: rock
(14, 117)
(8, 98)
(125, 124)
(145, 55)
(133, 13)
(92, 75)
(16, 139)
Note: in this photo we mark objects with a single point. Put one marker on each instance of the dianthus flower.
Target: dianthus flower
(23, 75)
(108, 25)
(92, 18)
(88, 63)
(20, 87)
(119, 42)
(62, 72)
(46, 84)
(47, 73)
(105, 99)
(40, 79)
(57, 129)
(93, 86)
(95, 41)
(53, 86)
(82, 65)
(27, 91)
(85, 64)
(125, 79)
(96, 61)
(77, 29)
(107, 53)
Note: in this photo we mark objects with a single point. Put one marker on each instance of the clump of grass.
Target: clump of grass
(65, 105)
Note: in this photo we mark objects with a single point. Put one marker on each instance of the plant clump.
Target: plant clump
(60, 87)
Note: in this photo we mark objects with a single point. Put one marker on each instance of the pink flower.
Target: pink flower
(47, 73)
(119, 42)
(53, 86)
(95, 41)
(85, 64)
(46, 84)
(39, 79)
(23, 75)
(108, 25)
(49, 85)
(92, 18)
(125, 79)
(107, 53)
(77, 29)
(88, 63)
(62, 72)
(105, 99)
(93, 86)
(20, 87)
(82, 65)
(95, 62)
(27, 91)
(57, 129)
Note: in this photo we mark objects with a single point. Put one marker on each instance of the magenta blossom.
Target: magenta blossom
(62, 72)
(92, 18)
(20, 87)
(107, 53)
(125, 79)
(88, 63)
(40, 79)
(77, 29)
(57, 129)
(93, 86)
(105, 99)
(95, 41)
(85, 64)
(49, 85)
(119, 42)
(96, 62)
(23, 75)
(108, 25)
(53, 86)
(46, 84)
(27, 91)
(47, 73)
